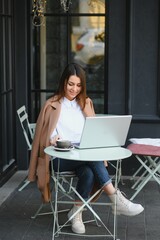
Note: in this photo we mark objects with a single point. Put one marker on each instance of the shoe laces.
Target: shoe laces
(77, 217)
(123, 198)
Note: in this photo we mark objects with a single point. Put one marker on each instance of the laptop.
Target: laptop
(104, 131)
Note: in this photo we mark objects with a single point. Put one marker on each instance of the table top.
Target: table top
(95, 154)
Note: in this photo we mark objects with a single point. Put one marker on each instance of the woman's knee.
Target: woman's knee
(86, 181)
(85, 172)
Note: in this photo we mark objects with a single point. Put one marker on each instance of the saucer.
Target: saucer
(63, 149)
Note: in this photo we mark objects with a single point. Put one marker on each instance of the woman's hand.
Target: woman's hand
(54, 139)
(105, 163)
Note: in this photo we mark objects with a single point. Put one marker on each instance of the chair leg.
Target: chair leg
(26, 182)
(152, 163)
(138, 170)
(38, 211)
(137, 182)
(151, 174)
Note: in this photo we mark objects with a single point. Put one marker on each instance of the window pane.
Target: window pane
(90, 6)
(88, 49)
(88, 41)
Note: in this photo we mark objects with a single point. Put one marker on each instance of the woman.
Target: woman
(63, 117)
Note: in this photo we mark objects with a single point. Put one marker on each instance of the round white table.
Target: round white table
(94, 154)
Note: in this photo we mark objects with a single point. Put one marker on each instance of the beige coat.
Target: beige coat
(39, 161)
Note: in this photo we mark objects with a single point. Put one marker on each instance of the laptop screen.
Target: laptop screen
(105, 131)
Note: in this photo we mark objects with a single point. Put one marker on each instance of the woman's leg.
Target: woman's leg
(100, 173)
(85, 182)
(84, 185)
(83, 172)
(123, 205)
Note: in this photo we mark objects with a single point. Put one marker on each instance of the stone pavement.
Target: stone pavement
(17, 208)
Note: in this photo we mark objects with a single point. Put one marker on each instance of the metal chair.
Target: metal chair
(28, 131)
(149, 158)
(64, 183)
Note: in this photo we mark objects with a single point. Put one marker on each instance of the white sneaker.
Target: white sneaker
(124, 206)
(77, 223)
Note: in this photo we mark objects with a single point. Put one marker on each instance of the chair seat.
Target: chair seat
(145, 150)
(67, 173)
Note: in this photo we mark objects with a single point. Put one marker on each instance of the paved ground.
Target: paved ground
(17, 208)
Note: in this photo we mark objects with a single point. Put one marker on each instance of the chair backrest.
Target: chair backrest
(32, 129)
(28, 128)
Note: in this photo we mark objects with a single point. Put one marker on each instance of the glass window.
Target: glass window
(74, 36)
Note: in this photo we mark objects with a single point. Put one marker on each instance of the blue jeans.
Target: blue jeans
(87, 172)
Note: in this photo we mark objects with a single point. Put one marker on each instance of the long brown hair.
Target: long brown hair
(70, 70)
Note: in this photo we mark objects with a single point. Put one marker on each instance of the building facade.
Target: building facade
(116, 41)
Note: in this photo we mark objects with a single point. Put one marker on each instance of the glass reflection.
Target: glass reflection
(75, 6)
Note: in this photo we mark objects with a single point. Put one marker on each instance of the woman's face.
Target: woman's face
(73, 87)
